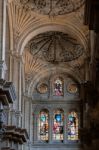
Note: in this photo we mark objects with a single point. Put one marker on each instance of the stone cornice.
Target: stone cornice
(15, 134)
(7, 92)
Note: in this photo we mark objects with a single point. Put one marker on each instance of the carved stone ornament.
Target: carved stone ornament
(72, 88)
(42, 88)
(53, 7)
(24, 1)
(55, 47)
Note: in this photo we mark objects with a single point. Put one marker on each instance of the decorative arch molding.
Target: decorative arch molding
(51, 108)
(39, 108)
(70, 72)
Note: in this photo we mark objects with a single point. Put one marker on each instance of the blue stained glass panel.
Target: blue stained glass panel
(58, 117)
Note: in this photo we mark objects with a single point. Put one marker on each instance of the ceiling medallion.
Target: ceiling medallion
(72, 88)
(55, 47)
(42, 88)
(54, 7)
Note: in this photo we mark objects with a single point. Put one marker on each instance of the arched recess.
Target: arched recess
(46, 73)
(65, 28)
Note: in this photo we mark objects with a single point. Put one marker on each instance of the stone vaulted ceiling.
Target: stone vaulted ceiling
(49, 35)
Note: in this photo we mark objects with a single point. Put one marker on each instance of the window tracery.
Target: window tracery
(55, 124)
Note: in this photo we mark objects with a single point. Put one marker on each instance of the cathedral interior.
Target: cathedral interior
(49, 74)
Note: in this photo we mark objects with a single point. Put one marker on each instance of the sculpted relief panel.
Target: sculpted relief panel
(53, 7)
(55, 47)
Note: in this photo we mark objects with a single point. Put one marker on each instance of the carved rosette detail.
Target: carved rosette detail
(55, 47)
(72, 88)
(42, 88)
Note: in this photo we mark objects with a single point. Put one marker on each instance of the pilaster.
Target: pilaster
(35, 138)
(3, 69)
(2, 37)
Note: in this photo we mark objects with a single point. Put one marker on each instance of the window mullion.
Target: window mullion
(65, 127)
(50, 127)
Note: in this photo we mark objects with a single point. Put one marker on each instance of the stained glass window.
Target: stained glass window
(58, 87)
(72, 126)
(43, 125)
(58, 125)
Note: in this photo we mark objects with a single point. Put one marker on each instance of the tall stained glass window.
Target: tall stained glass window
(43, 125)
(58, 125)
(58, 87)
(72, 126)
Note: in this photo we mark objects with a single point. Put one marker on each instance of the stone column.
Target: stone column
(35, 130)
(13, 117)
(18, 117)
(2, 37)
(30, 121)
(16, 78)
(19, 147)
(92, 44)
(23, 111)
(87, 73)
(93, 39)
